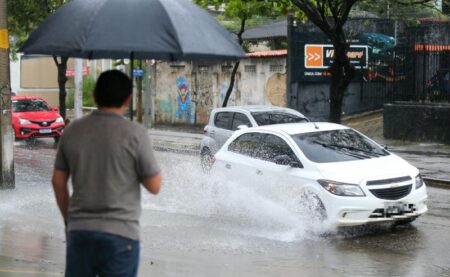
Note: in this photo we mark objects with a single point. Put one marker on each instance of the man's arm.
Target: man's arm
(60, 187)
(153, 184)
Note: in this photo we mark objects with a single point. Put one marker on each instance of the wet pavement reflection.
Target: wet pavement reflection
(199, 226)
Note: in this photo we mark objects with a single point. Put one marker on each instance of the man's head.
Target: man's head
(113, 89)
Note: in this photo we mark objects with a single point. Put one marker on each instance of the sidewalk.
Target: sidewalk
(432, 159)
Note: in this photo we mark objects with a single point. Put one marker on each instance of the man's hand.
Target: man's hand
(59, 181)
(152, 184)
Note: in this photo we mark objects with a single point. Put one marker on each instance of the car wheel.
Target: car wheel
(30, 141)
(313, 208)
(206, 159)
(56, 139)
(404, 221)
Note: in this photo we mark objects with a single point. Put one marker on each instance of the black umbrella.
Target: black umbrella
(137, 29)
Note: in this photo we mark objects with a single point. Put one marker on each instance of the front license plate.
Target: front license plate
(45, 131)
(395, 208)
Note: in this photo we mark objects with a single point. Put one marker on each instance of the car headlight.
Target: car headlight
(419, 181)
(24, 121)
(341, 189)
(59, 120)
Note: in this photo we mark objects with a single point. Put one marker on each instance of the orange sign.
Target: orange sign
(320, 56)
(313, 56)
(4, 39)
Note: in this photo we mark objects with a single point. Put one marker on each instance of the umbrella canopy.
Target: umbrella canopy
(140, 29)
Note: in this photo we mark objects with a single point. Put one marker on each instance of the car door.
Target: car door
(281, 181)
(222, 127)
(237, 162)
(240, 119)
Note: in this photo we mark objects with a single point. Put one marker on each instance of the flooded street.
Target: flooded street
(203, 226)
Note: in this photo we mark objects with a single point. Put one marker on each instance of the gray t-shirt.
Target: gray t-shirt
(106, 156)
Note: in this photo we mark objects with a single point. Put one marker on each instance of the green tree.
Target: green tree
(24, 16)
(243, 11)
(330, 17)
(409, 10)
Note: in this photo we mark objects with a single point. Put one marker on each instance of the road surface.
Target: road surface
(199, 226)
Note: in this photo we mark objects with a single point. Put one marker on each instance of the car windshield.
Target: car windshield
(33, 105)
(276, 117)
(337, 146)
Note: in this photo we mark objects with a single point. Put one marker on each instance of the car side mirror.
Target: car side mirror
(55, 109)
(242, 127)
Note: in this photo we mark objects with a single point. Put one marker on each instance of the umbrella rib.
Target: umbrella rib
(91, 23)
(177, 39)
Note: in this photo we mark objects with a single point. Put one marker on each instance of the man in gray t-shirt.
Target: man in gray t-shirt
(107, 158)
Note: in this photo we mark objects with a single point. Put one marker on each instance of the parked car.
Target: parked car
(33, 117)
(339, 175)
(224, 121)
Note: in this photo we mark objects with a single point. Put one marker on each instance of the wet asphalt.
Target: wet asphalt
(201, 227)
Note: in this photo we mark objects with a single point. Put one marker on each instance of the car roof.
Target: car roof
(299, 128)
(253, 108)
(25, 98)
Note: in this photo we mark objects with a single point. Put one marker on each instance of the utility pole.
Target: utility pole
(7, 180)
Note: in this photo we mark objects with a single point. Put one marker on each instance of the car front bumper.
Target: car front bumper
(36, 131)
(352, 211)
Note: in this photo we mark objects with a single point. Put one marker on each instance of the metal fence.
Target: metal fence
(417, 70)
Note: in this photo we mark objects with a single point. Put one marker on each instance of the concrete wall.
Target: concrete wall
(37, 76)
(312, 99)
(417, 122)
(184, 93)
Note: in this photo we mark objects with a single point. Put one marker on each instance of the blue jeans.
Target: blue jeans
(101, 254)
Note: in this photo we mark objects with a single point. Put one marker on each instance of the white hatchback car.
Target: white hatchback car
(224, 121)
(352, 179)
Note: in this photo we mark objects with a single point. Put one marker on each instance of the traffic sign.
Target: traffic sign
(4, 39)
(138, 72)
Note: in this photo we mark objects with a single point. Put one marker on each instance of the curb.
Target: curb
(185, 151)
(437, 183)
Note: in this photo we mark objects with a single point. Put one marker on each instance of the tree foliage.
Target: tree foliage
(243, 11)
(409, 10)
(24, 16)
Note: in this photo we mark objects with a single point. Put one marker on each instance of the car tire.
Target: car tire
(404, 222)
(206, 158)
(31, 141)
(56, 139)
(313, 207)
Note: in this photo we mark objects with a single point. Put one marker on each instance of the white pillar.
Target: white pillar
(78, 80)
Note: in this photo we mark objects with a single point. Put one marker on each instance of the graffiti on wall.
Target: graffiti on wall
(276, 89)
(223, 92)
(186, 109)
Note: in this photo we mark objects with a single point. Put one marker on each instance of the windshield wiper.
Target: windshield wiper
(338, 147)
(370, 153)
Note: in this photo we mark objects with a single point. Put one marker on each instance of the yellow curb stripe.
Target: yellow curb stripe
(38, 273)
(4, 39)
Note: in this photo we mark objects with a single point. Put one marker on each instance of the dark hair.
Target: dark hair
(112, 89)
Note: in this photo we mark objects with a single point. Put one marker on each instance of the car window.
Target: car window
(337, 146)
(223, 120)
(34, 105)
(246, 144)
(276, 117)
(240, 119)
(274, 146)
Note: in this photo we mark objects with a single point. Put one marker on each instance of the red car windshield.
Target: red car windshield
(33, 105)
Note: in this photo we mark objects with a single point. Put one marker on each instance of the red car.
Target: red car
(32, 117)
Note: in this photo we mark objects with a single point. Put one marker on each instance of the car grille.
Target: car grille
(392, 193)
(43, 123)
